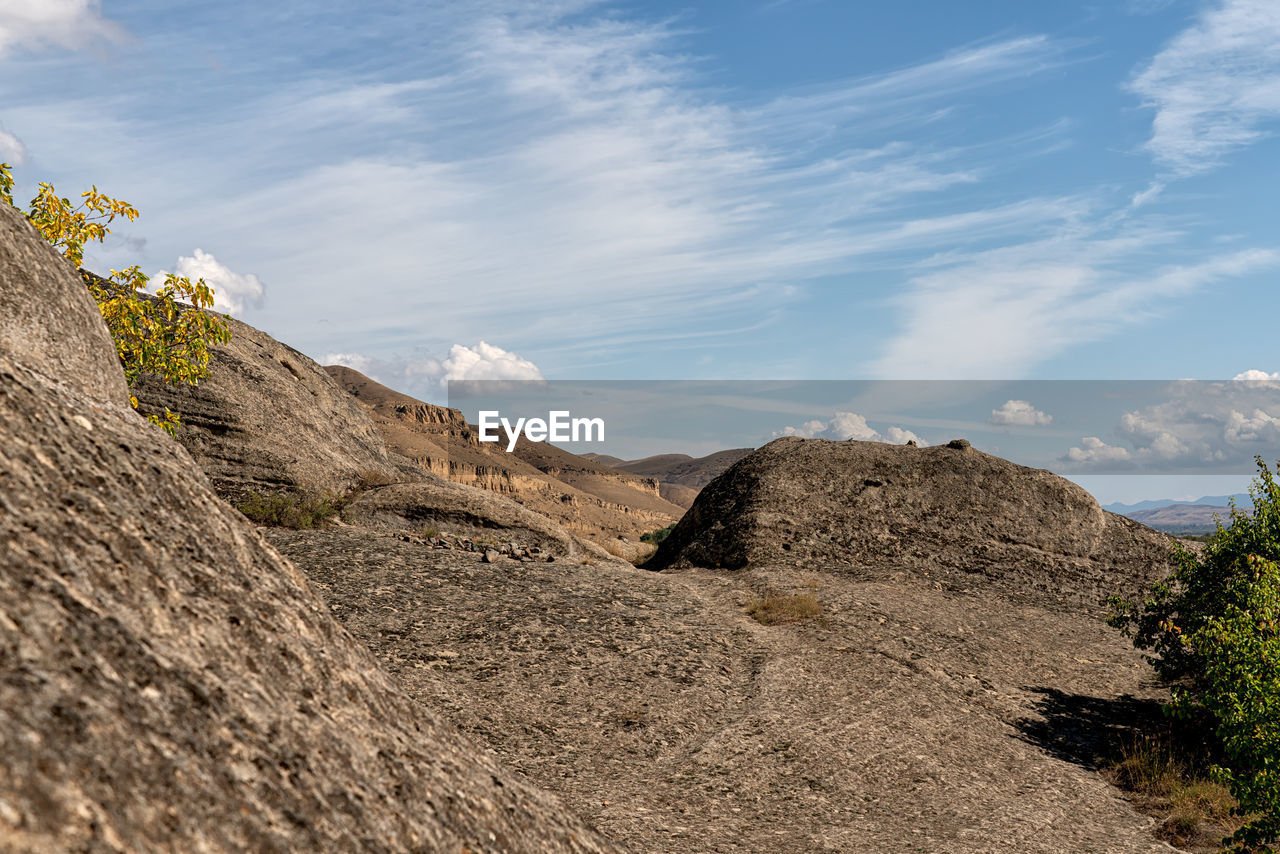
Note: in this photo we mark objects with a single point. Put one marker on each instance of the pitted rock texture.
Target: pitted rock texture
(45, 320)
(167, 681)
(949, 513)
(467, 511)
(267, 419)
(908, 718)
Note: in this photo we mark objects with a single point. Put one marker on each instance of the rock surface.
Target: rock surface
(56, 329)
(950, 513)
(455, 509)
(267, 419)
(908, 718)
(167, 681)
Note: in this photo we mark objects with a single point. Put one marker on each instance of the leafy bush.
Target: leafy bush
(153, 335)
(289, 510)
(659, 535)
(1214, 626)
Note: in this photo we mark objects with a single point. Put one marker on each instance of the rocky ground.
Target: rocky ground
(906, 718)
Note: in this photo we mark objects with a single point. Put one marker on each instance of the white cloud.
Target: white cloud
(232, 292)
(487, 362)
(575, 170)
(1216, 86)
(427, 378)
(1254, 375)
(1020, 413)
(12, 151)
(1202, 425)
(1094, 450)
(73, 24)
(850, 425)
(996, 314)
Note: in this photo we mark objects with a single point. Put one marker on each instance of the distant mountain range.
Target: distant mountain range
(1242, 499)
(1183, 517)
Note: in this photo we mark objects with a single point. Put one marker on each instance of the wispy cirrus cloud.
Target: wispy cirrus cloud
(571, 170)
(1215, 87)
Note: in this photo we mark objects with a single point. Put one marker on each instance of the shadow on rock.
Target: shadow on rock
(1088, 731)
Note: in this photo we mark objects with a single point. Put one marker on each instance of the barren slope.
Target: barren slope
(588, 499)
(930, 708)
(912, 718)
(167, 681)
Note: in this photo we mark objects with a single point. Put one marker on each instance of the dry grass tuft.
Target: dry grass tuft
(1171, 782)
(780, 609)
(289, 510)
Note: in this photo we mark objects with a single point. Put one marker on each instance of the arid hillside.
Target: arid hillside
(585, 497)
(680, 477)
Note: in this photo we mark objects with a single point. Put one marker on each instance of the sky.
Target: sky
(740, 190)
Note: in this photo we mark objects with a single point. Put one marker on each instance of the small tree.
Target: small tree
(156, 335)
(1214, 626)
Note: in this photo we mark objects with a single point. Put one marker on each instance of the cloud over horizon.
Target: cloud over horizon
(849, 425)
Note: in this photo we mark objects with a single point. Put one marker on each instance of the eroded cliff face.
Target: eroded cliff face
(267, 418)
(591, 500)
(168, 682)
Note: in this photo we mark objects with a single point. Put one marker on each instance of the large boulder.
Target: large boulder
(949, 511)
(267, 419)
(58, 329)
(167, 681)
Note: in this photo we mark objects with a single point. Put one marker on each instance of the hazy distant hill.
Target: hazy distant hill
(1241, 498)
(1183, 518)
(679, 476)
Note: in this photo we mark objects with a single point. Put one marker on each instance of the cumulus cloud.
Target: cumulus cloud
(427, 377)
(487, 362)
(73, 24)
(850, 425)
(1094, 450)
(1216, 86)
(1020, 413)
(232, 292)
(1254, 375)
(1203, 425)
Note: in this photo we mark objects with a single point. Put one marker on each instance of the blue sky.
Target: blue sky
(734, 190)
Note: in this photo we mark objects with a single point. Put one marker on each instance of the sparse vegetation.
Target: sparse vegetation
(656, 537)
(1214, 626)
(779, 609)
(1168, 775)
(289, 510)
(155, 335)
(373, 478)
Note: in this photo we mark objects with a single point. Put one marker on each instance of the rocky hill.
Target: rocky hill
(167, 681)
(267, 418)
(587, 498)
(949, 512)
(680, 476)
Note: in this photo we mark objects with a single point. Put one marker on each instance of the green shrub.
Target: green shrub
(289, 510)
(659, 535)
(1214, 626)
